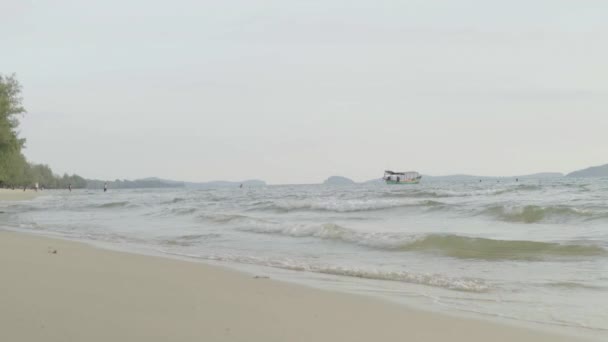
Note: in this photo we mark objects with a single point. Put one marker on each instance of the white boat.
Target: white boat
(409, 177)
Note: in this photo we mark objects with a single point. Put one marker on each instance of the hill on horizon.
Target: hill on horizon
(156, 182)
(338, 180)
(467, 177)
(593, 171)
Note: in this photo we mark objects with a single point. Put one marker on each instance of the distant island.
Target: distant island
(338, 180)
(594, 171)
(462, 177)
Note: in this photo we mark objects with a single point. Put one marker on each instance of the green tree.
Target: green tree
(13, 166)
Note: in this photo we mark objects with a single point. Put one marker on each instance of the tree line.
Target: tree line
(15, 170)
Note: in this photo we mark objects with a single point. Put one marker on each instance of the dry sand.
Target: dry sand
(54, 290)
(17, 194)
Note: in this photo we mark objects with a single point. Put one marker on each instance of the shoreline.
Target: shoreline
(18, 194)
(86, 293)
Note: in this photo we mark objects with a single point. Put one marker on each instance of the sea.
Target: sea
(531, 252)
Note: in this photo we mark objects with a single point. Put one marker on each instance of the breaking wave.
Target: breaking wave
(114, 204)
(168, 212)
(455, 193)
(481, 248)
(436, 280)
(465, 284)
(189, 240)
(456, 246)
(535, 213)
(344, 206)
(419, 194)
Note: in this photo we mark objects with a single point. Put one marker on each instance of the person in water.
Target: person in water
(70, 187)
(105, 187)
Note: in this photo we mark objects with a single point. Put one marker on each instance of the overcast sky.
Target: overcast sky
(296, 91)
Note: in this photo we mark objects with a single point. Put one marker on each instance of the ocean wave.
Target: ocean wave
(188, 240)
(175, 200)
(465, 247)
(455, 193)
(419, 194)
(572, 285)
(535, 213)
(465, 284)
(346, 206)
(435, 280)
(514, 189)
(170, 212)
(529, 187)
(114, 204)
(325, 231)
(455, 246)
(183, 211)
(231, 218)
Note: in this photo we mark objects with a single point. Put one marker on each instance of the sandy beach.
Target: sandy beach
(56, 290)
(17, 194)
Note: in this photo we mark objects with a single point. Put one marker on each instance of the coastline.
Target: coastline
(17, 194)
(85, 293)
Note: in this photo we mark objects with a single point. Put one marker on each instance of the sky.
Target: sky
(296, 91)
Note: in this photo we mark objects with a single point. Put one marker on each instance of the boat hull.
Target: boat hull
(392, 182)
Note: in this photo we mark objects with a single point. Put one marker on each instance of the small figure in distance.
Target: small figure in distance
(70, 187)
(241, 186)
(105, 187)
